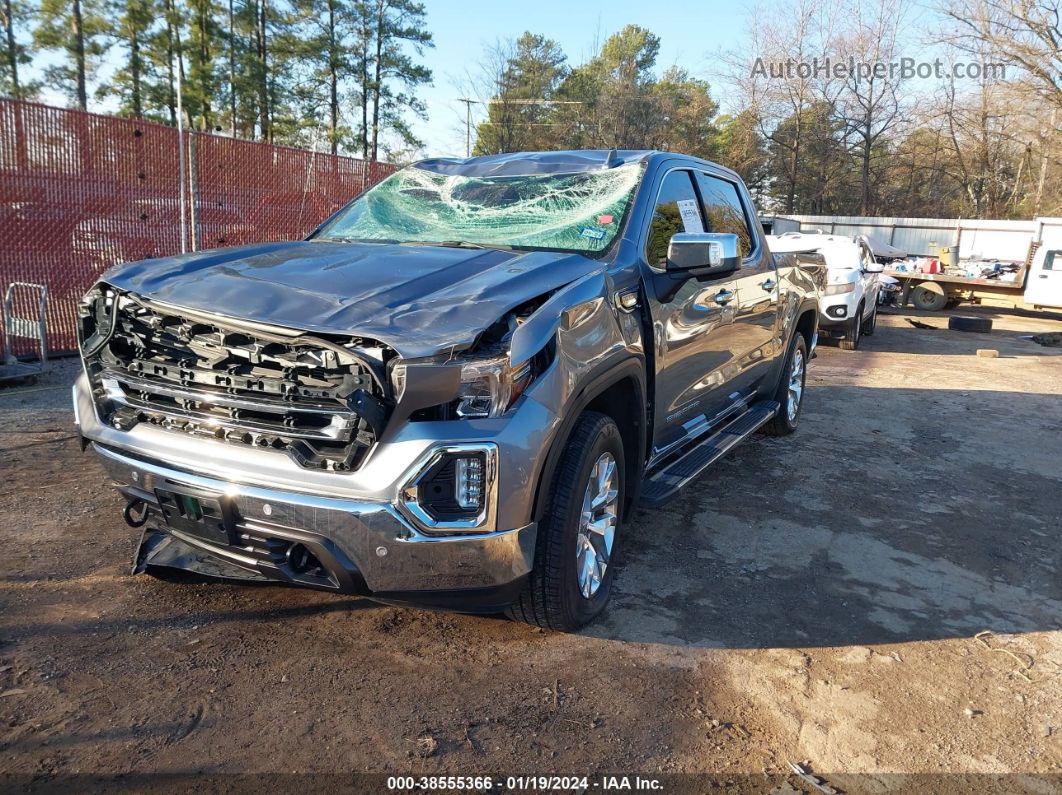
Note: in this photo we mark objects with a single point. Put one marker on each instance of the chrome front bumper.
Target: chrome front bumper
(370, 547)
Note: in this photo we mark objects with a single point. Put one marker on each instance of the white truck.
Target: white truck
(848, 308)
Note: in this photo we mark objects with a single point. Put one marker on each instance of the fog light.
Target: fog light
(454, 488)
(468, 483)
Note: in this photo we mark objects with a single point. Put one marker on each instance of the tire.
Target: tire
(961, 323)
(928, 300)
(871, 322)
(853, 331)
(556, 597)
(785, 421)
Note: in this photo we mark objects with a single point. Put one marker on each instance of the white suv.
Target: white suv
(849, 305)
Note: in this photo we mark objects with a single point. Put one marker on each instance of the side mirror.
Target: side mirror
(874, 267)
(702, 253)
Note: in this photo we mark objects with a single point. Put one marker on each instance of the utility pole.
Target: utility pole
(468, 123)
(468, 111)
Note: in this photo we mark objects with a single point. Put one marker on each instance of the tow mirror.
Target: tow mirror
(702, 253)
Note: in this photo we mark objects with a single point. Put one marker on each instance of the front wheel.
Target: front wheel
(575, 552)
(871, 322)
(790, 391)
(853, 331)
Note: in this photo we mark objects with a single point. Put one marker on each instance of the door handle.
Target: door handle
(1043, 275)
(768, 285)
(724, 297)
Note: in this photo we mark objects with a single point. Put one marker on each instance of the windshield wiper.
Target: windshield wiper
(356, 240)
(459, 244)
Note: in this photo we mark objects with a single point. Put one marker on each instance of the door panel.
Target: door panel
(1044, 285)
(754, 327)
(693, 351)
(750, 336)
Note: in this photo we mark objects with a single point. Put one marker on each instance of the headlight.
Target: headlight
(490, 386)
(838, 289)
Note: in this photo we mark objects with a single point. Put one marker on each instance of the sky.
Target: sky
(690, 36)
(462, 29)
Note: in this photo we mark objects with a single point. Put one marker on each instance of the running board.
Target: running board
(665, 483)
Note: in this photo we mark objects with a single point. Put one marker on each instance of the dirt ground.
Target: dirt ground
(814, 599)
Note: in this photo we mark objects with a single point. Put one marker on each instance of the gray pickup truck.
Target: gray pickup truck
(455, 391)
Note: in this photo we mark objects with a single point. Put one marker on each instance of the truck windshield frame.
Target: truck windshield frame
(581, 212)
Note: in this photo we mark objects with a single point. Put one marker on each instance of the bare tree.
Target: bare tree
(777, 80)
(870, 103)
(1026, 34)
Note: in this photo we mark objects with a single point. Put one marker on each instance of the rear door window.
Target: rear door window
(724, 211)
(676, 211)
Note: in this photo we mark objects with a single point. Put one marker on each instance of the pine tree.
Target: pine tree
(202, 45)
(529, 71)
(325, 46)
(15, 16)
(394, 24)
(75, 29)
(134, 21)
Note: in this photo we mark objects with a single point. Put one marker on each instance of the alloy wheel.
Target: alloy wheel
(796, 384)
(597, 525)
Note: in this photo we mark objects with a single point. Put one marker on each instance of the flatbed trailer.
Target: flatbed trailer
(1036, 286)
(935, 291)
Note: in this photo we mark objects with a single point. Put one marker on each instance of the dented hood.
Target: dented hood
(420, 299)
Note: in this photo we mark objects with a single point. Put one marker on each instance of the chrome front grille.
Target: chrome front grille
(320, 400)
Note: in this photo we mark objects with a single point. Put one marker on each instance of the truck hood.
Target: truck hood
(420, 299)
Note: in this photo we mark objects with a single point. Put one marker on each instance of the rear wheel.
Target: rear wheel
(931, 299)
(790, 391)
(575, 553)
(853, 331)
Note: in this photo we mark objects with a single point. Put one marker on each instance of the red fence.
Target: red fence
(80, 192)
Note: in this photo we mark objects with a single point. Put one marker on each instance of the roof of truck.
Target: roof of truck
(515, 164)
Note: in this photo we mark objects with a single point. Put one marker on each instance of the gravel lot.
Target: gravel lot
(812, 599)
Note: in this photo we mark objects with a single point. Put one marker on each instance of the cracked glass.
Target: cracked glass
(565, 212)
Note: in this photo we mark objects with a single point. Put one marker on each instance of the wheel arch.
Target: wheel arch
(620, 394)
(807, 323)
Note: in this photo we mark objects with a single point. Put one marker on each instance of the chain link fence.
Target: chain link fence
(80, 192)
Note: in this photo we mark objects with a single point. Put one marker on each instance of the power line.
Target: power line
(497, 101)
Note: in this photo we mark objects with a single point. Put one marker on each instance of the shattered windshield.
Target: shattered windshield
(571, 212)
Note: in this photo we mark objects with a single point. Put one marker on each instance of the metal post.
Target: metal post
(193, 190)
(180, 162)
(309, 175)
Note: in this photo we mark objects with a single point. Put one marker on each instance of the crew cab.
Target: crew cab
(848, 309)
(455, 390)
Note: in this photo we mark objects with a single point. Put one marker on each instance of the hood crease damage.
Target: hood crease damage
(419, 300)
